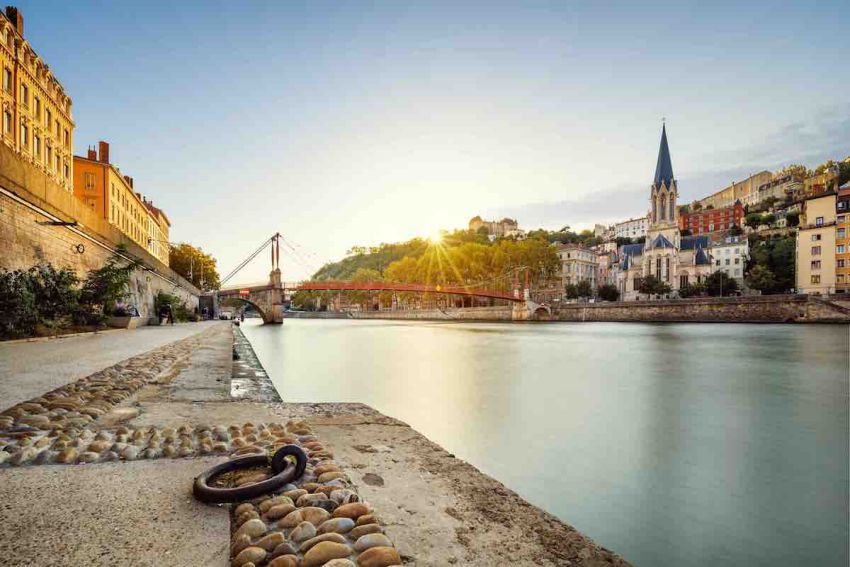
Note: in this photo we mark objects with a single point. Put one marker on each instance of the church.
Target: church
(672, 258)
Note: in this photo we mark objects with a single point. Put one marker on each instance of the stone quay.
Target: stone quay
(97, 460)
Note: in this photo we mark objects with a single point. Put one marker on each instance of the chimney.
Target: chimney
(17, 18)
(92, 154)
(129, 181)
(103, 150)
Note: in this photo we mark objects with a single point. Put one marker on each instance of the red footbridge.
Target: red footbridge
(269, 298)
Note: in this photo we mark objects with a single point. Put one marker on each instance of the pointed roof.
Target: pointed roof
(701, 258)
(664, 167)
(661, 242)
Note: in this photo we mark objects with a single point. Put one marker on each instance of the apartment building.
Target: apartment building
(37, 122)
(816, 245)
(102, 187)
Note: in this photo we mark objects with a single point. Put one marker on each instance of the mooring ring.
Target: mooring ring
(285, 471)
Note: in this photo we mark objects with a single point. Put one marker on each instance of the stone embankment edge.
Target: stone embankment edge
(754, 309)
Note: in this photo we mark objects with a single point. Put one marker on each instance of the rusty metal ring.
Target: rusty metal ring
(285, 471)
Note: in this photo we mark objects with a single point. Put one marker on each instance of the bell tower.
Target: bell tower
(664, 191)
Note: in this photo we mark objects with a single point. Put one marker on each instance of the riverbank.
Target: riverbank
(749, 309)
(99, 469)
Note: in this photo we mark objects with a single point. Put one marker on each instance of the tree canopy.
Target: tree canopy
(195, 265)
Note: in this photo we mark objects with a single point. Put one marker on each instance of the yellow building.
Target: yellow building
(816, 247)
(842, 240)
(37, 121)
(737, 191)
(821, 182)
(102, 186)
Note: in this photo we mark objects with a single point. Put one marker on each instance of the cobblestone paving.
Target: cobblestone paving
(318, 520)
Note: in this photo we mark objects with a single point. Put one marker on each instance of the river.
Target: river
(671, 444)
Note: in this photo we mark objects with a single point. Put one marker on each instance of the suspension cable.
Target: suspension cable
(245, 262)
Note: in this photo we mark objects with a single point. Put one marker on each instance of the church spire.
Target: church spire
(664, 167)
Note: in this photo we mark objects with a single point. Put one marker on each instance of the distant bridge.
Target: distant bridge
(268, 298)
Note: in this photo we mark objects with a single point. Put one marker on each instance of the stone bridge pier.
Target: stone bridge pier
(267, 300)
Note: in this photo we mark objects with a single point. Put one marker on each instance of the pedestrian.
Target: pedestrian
(169, 315)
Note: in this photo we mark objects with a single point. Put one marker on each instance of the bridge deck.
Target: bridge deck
(379, 286)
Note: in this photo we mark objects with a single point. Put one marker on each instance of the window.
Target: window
(7, 79)
(816, 264)
(7, 122)
(36, 107)
(717, 263)
(88, 178)
(738, 271)
(819, 221)
(36, 146)
(67, 139)
(840, 278)
(839, 249)
(48, 156)
(815, 250)
(815, 237)
(727, 261)
(25, 95)
(841, 218)
(816, 279)
(67, 170)
(48, 117)
(24, 136)
(839, 263)
(841, 232)
(737, 260)
(683, 280)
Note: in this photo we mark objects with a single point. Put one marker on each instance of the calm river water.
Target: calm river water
(671, 444)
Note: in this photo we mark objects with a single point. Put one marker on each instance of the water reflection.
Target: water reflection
(671, 444)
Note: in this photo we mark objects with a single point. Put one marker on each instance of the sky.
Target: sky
(354, 123)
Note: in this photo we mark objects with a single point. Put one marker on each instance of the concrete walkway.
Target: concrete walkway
(30, 369)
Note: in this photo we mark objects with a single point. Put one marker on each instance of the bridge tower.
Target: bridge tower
(275, 284)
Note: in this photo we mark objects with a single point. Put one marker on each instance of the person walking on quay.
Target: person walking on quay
(170, 313)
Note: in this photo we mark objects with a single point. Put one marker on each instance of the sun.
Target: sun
(435, 237)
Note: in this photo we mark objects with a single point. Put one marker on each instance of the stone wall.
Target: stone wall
(760, 309)
(28, 197)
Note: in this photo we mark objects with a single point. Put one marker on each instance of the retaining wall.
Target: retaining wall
(24, 242)
(753, 309)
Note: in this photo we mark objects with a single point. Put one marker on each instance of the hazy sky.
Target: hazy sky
(350, 123)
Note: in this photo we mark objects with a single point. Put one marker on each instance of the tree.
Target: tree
(792, 218)
(795, 170)
(779, 256)
(571, 291)
(651, 285)
(195, 265)
(608, 292)
(623, 240)
(761, 278)
(691, 289)
(753, 220)
(736, 231)
(584, 289)
(107, 286)
(719, 283)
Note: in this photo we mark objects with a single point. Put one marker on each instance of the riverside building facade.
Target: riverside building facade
(37, 122)
(816, 245)
(108, 192)
(707, 221)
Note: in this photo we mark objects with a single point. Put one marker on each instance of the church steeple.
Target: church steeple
(664, 167)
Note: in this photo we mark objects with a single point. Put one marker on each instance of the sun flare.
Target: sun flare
(435, 237)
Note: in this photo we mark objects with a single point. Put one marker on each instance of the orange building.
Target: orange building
(102, 186)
